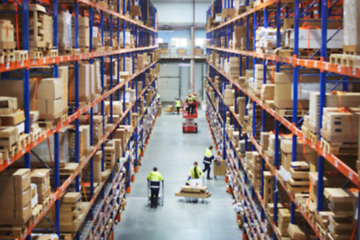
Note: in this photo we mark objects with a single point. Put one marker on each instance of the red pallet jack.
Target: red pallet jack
(190, 126)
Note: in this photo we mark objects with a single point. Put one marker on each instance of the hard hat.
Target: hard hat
(194, 94)
(189, 95)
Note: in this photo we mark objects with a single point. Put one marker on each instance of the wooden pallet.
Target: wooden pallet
(35, 135)
(46, 124)
(46, 202)
(338, 148)
(36, 54)
(13, 232)
(51, 53)
(69, 169)
(36, 212)
(70, 51)
(21, 55)
(350, 49)
(310, 135)
(289, 112)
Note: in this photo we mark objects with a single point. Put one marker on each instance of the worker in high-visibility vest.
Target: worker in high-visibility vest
(194, 173)
(189, 103)
(195, 99)
(155, 178)
(207, 161)
(158, 96)
(178, 105)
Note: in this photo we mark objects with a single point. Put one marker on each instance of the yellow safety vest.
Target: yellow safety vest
(195, 98)
(155, 178)
(190, 100)
(178, 104)
(192, 172)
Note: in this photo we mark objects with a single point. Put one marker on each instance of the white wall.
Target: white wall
(181, 13)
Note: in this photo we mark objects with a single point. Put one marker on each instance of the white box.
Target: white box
(196, 183)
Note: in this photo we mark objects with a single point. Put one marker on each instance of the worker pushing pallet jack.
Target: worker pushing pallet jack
(190, 107)
(155, 179)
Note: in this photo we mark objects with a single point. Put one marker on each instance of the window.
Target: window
(200, 42)
(179, 42)
(160, 40)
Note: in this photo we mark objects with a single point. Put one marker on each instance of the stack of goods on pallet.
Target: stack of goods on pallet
(284, 220)
(310, 38)
(70, 211)
(12, 134)
(266, 40)
(229, 96)
(259, 76)
(239, 37)
(15, 197)
(41, 178)
(7, 41)
(333, 100)
(234, 68)
(343, 205)
(65, 32)
(253, 169)
(50, 98)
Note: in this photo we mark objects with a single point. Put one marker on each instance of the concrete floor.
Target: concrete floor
(174, 153)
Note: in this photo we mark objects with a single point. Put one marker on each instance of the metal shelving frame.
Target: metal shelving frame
(325, 68)
(145, 41)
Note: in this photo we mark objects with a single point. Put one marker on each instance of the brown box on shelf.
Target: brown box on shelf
(109, 157)
(97, 166)
(6, 31)
(351, 40)
(50, 88)
(8, 137)
(15, 201)
(8, 105)
(12, 119)
(181, 51)
(41, 177)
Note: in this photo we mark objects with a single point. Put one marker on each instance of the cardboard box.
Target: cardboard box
(15, 181)
(8, 137)
(15, 201)
(15, 216)
(97, 166)
(8, 105)
(12, 119)
(50, 88)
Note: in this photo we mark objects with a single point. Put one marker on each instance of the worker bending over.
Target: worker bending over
(155, 178)
(178, 105)
(207, 161)
(195, 99)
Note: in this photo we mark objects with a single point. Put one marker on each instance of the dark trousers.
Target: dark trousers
(189, 109)
(207, 168)
(178, 110)
(154, 196)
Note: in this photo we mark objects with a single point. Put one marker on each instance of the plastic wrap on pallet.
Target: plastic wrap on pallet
(352, 24)
(65, 40)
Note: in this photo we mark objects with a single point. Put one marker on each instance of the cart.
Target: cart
(219, 168)
(161, 194)
(190, 126)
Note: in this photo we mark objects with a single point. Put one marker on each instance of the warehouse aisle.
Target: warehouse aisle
(173, 153)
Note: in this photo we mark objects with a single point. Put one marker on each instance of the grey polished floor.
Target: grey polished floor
(173, 153)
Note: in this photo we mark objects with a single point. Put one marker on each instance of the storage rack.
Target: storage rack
(105, 204)
(256, 16)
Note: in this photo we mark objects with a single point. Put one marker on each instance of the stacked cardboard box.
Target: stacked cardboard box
(229, 96)
(299, 178)
(109, 157)
(238, 34)
(70, 211)
(65, 36)
(50, 98)
(268, 188)
(41, 27)
(7, 41)
(41, 177)
(266, 39)
(339, 125)
(87, 84)
(15, 197)
(84, 33)
(259, 76)
(345, 100)
(97, 167)
(234, 70)
(343, 203)
(253, 169)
